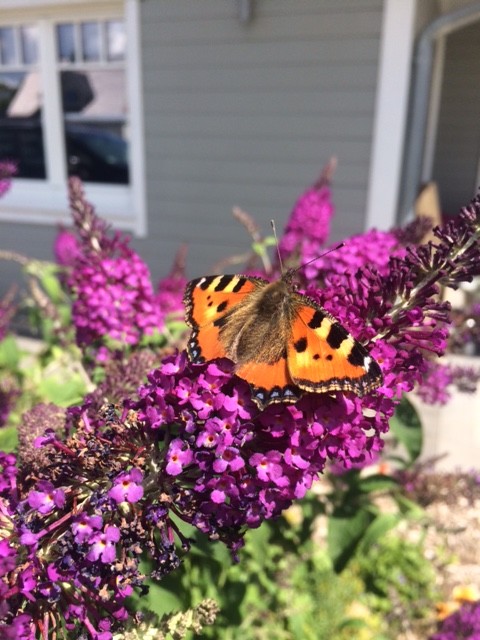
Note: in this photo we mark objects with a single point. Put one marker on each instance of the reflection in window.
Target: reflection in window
(89, 59)
(66, 43)
(7, 46)
(21, 138)
(116, 40)
(95, 134)
(29, 44)
(90, 41)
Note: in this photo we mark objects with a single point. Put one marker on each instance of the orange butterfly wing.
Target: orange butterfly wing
(270, 382)
(322, 356)
(207, 300)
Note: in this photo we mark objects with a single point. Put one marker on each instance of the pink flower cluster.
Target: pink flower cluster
(373, 248)
(308, 226)
(114, 300)
(7, 171)
(241, 465)
(115, 305)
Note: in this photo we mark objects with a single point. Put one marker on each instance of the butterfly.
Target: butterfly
(281, 342)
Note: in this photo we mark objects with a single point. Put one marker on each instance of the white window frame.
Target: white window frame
(46, 201)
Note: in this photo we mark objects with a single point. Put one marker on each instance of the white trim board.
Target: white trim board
(390, 118)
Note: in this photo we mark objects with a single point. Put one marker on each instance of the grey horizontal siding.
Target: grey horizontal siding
(322, 23)
(215, 9)
(248, 114)
(241, 53)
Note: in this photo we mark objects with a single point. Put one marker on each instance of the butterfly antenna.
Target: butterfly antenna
(272, 224)
(322, 255)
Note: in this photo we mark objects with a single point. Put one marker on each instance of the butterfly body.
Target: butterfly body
(281, 341)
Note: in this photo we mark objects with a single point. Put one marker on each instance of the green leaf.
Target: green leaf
(52, 286)
(344, 533)
(8, 439)
(176, 327)
(406, 426)
(62, 392)
(9, 353)
(353, 624)
(378, 528)
(409, 508)
(270, 241)
(377, 482)
(158, 599)
(258, 248)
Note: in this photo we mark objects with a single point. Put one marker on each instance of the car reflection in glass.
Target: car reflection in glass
(93, 154)
(96, 156)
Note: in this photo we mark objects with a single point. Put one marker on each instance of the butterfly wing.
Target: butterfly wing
(322, 356)
(270, 382)
(209, 301)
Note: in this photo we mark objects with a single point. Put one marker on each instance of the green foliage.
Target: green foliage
(355, 517)
(174, 627)
(406, 428)
(48, 305)
(8, 439)
(9, 354)
(52, 375)
(282, 588)
(398, 577)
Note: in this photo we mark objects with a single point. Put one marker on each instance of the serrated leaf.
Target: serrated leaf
(8, 439)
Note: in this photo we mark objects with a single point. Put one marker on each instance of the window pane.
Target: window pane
(90, 41)
(94, 107)
(116, 40)
(7, 46)
(29, 40)
(66, 42)
(21, 138)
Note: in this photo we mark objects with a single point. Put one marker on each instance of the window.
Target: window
(90, 58)
(21, 101)
(70, 101)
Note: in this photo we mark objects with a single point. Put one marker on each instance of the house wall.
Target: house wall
(457, 150)
(248, 114)
(244, 114)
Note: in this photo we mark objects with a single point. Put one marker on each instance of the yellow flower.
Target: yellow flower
(466, 593)
(294, 515)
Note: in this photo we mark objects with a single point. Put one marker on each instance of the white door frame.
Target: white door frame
(390, 116)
